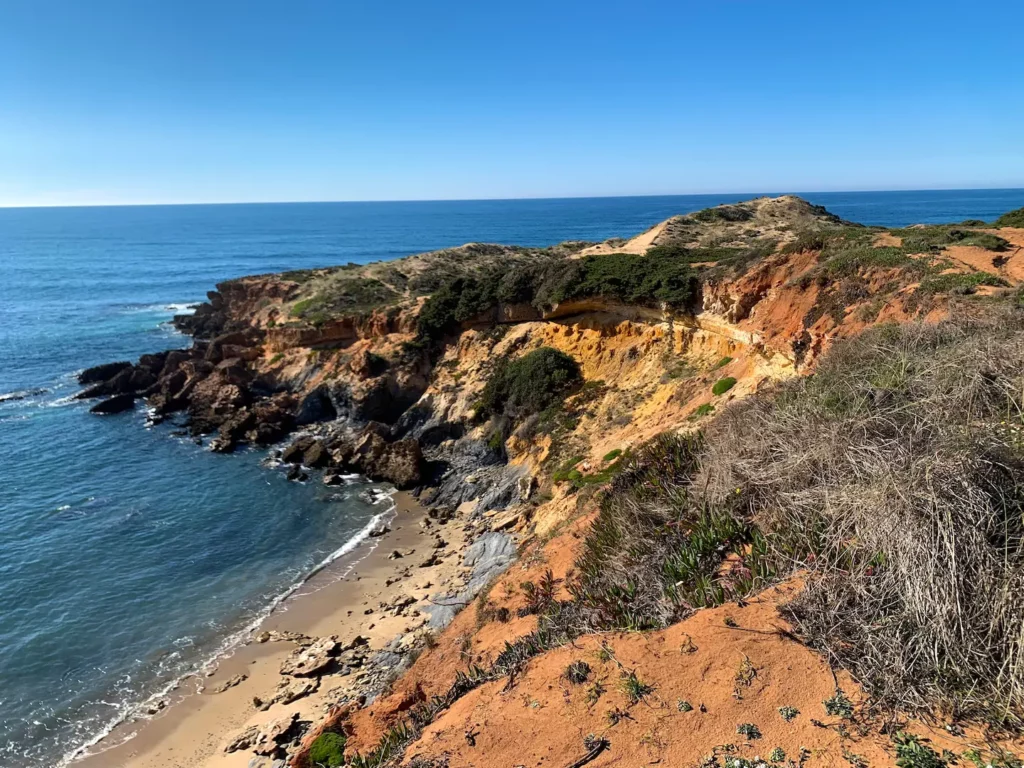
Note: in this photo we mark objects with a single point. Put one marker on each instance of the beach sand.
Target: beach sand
(193, 731)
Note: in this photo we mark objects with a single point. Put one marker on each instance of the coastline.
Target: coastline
(345, 599)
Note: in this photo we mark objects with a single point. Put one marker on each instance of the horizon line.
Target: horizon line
(753, 195)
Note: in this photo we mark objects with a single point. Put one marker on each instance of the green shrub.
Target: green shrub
(327, 750)
(722, 386)
(958, 283)
(642, 280)
(788, 713)
(1011, 219)
(529, 384)
(613, 454)
(721, 363)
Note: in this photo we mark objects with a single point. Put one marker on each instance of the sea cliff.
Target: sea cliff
(589, 412)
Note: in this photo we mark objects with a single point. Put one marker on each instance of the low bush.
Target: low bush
(529, 384)
(1011, 219)
(327, 750)
(958, 283)
(722, 386)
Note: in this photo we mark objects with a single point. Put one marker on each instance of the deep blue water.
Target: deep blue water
(127, 556)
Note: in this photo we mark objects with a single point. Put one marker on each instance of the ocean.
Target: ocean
(130, 557)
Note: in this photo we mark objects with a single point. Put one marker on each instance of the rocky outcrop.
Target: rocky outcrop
(101, 373)
(115, 404)
(370, 451)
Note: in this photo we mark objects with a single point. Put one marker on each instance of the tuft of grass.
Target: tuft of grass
(612, 454)
(722, 386)
(578, 672)
(684, 706)
(635, 689)
(777, 755)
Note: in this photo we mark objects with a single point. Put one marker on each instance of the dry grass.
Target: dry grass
(894, 474)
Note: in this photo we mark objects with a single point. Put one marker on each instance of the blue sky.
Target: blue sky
(139, 101)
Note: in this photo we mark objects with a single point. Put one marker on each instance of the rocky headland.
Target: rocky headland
(598, 414)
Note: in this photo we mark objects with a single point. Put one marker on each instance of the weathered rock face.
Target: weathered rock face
(370, 451)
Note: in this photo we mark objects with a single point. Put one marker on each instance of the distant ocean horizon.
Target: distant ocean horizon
(998, 191)
(130, 557)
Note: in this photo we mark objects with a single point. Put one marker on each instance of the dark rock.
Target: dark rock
(297, 475)
(116, 404)
(118, 384)
(293, 452)
(316, 407)
(103, 372)
(273, 419)
(316, 456)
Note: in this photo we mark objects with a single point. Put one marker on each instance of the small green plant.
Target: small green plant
(704, 409)
(635, 688)
(730, 622)
(612, 455)
(577, 672)
(277, 358)
(788, 713)
(722, 386)
(748, 731)
(327, 750)
(605, 654)
(912, 753)
(684, 706)
(778, 755)
(721, 363)
(838, 705)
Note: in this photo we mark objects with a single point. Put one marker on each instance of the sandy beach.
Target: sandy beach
(346, 600)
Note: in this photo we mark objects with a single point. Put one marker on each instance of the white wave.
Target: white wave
(140, 710)
(177, 308)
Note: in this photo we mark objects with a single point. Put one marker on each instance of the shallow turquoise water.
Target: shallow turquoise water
(128, 556)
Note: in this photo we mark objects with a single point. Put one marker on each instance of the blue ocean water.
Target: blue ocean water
(127, 556)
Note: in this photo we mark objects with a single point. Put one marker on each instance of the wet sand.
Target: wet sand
(194, 730)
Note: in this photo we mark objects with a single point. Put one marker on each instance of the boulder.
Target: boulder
(294, 451)
(312, 659)
(316, 455)
(103, 372)
(115, 404)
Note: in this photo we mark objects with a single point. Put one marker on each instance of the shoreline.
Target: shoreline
(346, 598)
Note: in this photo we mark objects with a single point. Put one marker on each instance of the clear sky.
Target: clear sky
(147, 101)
